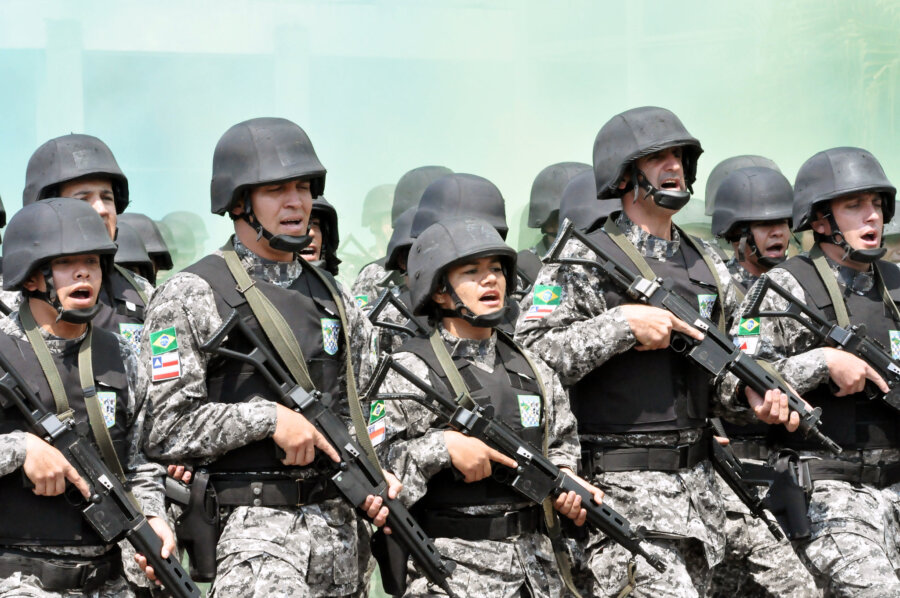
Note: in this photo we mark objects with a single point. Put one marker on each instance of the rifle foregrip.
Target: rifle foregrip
(168, 571)
(419, 544)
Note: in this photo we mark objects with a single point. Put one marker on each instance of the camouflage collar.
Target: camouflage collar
(481, 352)
(13, 327)
(858, 282)
(740, 274)
(647, 244)
(282, 274)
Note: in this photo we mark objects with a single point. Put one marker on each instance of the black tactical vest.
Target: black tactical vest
(119, 302)
(309, 309)
(28, 519)
(854, 422)
(648, 391)
(501, 390)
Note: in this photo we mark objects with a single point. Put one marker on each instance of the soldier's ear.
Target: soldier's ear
(32, 282)
(821, 224)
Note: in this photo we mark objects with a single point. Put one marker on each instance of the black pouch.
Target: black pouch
(391, 556)
(788, 497)
(198, 528)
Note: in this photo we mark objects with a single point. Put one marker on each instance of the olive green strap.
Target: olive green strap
(711, 265)
(739, 294)
(133, 282)
(619, 238)
(57, 388)
(356, 414)
(450, 370)
(831, 286)
(270, 319)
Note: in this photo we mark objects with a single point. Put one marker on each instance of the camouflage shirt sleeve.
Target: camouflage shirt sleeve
(363, 339)
(579, 333)
(145, 285)
(366, 283)
(12, 451)
(145, 476)
(183, 425)
(564, 450)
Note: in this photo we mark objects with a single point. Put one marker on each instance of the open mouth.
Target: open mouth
(308, 251)
(490, 298)
(775, 249)
(670, 184)
(293, 223)
(870, 238)
(81, 294)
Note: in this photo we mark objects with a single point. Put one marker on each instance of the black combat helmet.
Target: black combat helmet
(637, 133)
(152, 237)
(132, 253)
(412, 185)
(726, 167)
(68, 158)
(257, 152)
(831, 174)
(2, 214)
(748, 195)
(49, 229)
(449, 242)
(579, 203)
(401, 240)
(463, 195)
(547, 190)
(331, 238)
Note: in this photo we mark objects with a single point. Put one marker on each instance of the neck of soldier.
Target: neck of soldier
(749, 262)
(462, 329)
(647, 215)
(836, 254)
(250, 239)
(45, 316)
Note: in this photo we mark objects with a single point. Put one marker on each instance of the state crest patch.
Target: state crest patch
(331, 330)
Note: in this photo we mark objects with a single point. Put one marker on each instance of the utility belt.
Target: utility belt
(235, 490)
(879, 476)
(750, 448)
(59, 573)
(598, 458)
(453, 524)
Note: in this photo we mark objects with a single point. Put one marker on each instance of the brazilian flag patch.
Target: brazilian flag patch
(376, 411)
(547, 295)
(748, 327)
(361, 300)
(163, 341)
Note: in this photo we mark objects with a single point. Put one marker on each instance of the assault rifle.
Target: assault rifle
(109, 509)
(853, 340)
(355, 476)
(715, 353)
(536, 477)
(387, 297)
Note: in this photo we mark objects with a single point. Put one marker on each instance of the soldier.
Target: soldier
(57, 252)
(152, 238)
(458, 271)
(546, 194)
(8, 300)
(132, 253)
(752, 212)
(286, 530)
(83, 167)
(844, 197)
(375, 277)
(323, 230)
(721, 171)
(641, 409)
(579, 203)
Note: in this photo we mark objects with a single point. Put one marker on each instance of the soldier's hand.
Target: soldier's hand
(773, 408)
(850, 373)
(472, 457)
(48, 470)
(299, 439)
(374, 505)
(569, 503)
(162, 529)
(180, 473)
(652, 327)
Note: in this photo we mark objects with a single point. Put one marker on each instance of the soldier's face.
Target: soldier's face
(480, 284)
(859, 217)
(771, 238)
(98, 192)
(283, 208)
(313, 251)
(76, 278)
(664, 169)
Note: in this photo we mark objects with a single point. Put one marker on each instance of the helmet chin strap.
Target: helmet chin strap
(72, 316)
(286, 243)
(746, 241)
(491, 320)
(671, 200)
(862, 256)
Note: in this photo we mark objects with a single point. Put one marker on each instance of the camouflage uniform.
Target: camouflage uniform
(683, 510)
(311, 550)
(739, 274)
(145, 477)
(370, 282)
(522, 565)
(853, 549)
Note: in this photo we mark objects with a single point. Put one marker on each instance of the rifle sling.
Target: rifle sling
(127, 275)
(831, 286)
(278, 332)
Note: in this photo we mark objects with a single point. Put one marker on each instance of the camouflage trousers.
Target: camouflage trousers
(756, 565)
(519, 567)
(853, 550)
(30, 586)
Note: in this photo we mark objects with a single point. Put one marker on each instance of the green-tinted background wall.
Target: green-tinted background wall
(497, 88)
